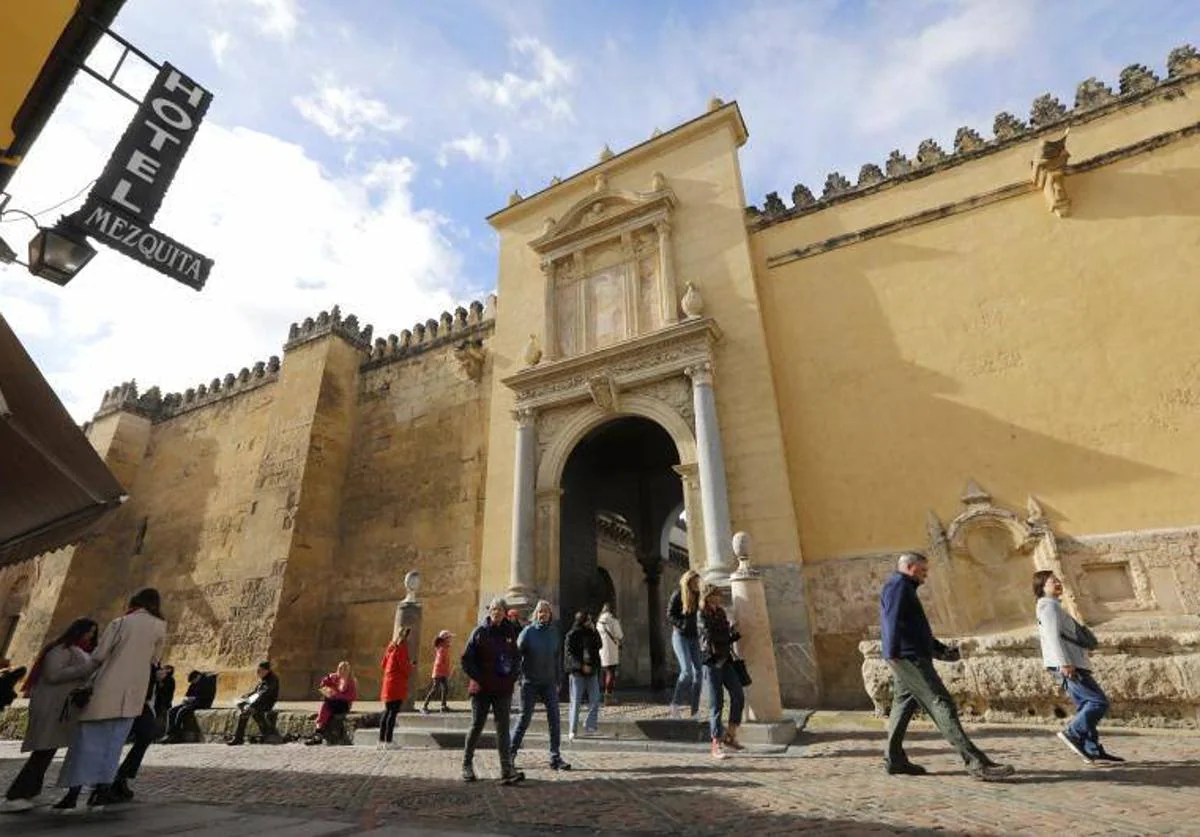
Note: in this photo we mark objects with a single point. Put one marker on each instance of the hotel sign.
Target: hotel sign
(128, 193)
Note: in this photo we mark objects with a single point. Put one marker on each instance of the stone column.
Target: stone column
(668, 298)
(689, 475)
(408, 615)
(714, 495)
(550, 349)
(756, 646)
(521, 588)
(652, 570)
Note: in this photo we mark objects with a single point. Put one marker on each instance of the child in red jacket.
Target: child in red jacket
(441, 670)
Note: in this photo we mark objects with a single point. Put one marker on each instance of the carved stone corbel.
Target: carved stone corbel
(471, 356)
(1049, 174)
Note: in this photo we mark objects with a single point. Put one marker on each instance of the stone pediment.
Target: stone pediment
(602, 375)
(603, 214)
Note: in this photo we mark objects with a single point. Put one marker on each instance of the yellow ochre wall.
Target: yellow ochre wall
(1038, 355)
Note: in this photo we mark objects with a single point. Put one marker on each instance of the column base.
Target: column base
(718, 576)
(521, 598)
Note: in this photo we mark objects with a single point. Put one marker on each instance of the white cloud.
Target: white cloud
(218, 42)
(278, 18)
(476, 149)
(547, 83)
(343, 112)
(288, 239)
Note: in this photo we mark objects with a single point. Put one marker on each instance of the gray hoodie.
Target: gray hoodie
(1056, 628)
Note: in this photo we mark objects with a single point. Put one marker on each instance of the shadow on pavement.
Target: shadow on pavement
(580, 804)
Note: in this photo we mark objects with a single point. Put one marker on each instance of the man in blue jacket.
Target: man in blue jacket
(909, 648)
(540, 645)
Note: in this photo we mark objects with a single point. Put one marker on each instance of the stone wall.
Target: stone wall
(413, 500)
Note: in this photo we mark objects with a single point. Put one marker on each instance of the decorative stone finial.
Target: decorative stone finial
(692, 304)
(929, 152)
(606, 153)
(802, 196)
(967, 140)
(836, 184)
(554, 181)
(658, 182)
(1183, 60)
(1007, 126)
(412, 584)
(715, 103)
(773, 205)
(870, 174)
(897, 164)
(657, 132)
(533, 351)
(1137, 78)
(1092, 93)
(1046, 110)
(741, 551)
(514, 198)
(975, 495)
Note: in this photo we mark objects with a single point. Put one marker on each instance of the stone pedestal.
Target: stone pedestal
(756, 646)
(408, 615)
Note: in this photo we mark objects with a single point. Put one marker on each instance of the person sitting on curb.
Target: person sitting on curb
(257, 704)
(1065, 645)
(339, 690)
(200, 694)
(908, 648)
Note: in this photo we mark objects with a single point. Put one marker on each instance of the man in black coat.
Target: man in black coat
(257, 704)
(201, 692)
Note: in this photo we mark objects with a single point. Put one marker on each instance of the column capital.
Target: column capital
(689, 473)
(525, 417)
(701, 373)
(663, 227)
(547, 266)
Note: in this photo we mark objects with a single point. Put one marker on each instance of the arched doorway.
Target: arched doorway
(620, 503)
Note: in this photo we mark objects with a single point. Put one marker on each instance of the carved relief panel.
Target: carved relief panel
(607, 267)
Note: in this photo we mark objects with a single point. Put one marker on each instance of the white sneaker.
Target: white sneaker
(13, 806)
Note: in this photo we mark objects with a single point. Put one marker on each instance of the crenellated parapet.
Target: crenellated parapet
(464, 330)
(329, 322)
(1046, 113)
(157, 407)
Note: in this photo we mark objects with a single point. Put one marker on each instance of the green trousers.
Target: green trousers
(916, 684)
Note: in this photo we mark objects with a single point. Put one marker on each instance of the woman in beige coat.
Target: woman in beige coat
(127, 648)
(63, 665)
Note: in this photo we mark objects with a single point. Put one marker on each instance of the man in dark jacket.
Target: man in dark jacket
(257, 704)
(492, 660)
(540, 644)
(909, 648)
(201, 692)
(146, 728)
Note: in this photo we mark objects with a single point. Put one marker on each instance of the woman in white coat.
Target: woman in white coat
(63, 665)
(127, 647)
(611, 637)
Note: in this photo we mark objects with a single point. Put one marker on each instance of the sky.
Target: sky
(354, 147)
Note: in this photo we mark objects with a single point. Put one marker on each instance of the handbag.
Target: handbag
(743, 673)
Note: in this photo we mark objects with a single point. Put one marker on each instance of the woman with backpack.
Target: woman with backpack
(582, 653)
(685, 641)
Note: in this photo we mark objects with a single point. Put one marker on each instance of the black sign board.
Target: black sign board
(131, 236)
(148, 155)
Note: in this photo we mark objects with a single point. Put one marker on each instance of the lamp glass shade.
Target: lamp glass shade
(57, 255)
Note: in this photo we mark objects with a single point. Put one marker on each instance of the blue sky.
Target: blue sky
(354, 147)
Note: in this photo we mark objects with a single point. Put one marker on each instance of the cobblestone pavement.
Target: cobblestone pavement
(831, 783)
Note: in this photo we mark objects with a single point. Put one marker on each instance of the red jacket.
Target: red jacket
(396, 669)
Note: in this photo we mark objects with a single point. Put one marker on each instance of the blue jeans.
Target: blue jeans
(531, 693)
(717, 679)
(1092, 706)
(591, 684)
(687, 652)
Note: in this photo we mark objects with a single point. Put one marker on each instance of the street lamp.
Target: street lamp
(58, 253)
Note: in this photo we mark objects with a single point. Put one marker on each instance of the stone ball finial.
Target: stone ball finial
(412, 585)
(741, 551)
(715, 103)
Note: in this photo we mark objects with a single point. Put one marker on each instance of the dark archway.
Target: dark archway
(619, 492)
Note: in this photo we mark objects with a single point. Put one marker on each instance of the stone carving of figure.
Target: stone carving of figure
(1049, 174)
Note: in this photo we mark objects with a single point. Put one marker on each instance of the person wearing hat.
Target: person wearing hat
(441, 670)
